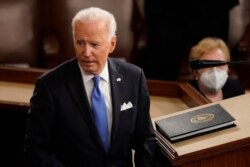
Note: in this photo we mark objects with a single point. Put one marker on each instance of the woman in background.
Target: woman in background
(213, 82)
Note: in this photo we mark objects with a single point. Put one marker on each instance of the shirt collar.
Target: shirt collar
(104, 74)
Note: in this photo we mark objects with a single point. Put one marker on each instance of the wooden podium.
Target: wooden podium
(224, 148)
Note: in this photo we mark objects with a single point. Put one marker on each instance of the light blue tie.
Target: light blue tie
(99, 113)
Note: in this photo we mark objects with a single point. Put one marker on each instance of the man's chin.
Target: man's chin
(89, 70)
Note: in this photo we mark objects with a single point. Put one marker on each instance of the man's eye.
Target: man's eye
(95, 45)
(80, 43)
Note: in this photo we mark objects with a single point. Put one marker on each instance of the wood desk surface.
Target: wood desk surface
(20, 93)
(239, 108)
(16, 93)
(161, 106)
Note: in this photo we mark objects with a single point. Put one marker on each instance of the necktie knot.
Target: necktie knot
(96, 80)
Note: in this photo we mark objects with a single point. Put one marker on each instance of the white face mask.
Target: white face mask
(214, 79)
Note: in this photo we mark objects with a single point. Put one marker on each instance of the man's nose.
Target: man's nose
(87, 50)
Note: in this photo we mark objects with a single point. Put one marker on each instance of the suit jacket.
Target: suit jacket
(61, 131)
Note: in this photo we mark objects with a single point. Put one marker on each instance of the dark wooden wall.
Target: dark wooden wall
(39, 32)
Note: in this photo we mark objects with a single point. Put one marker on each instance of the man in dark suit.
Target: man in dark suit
(61, 130)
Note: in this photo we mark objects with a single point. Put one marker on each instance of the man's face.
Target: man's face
(92, 45)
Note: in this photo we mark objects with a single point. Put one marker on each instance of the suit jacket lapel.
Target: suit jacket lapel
(76, 87)
(116, 80)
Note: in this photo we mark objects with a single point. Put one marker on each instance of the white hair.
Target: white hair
(94, 14)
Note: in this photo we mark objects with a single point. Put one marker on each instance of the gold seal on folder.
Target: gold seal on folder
(202, 118)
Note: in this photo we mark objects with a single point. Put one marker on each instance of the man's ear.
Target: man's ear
(113, 44)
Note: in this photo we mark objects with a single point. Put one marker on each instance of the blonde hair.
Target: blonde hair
(208, 45)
